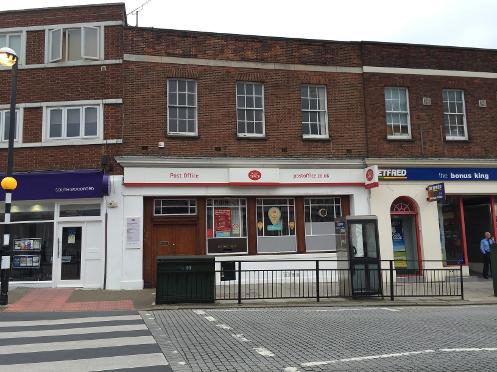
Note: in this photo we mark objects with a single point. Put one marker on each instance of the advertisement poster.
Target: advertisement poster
(222, 222)
(399, 245)
(27, 262)
(27, 244)
(274, 215)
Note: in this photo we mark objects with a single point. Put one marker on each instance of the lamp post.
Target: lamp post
(8, 57)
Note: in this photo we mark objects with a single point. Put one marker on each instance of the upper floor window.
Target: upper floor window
(73, 122)
(250, 109)
(314, 111)
(5, 125)
(11, 40)
(454, 114)
(74, 44)
(397, 113)
(182, 107)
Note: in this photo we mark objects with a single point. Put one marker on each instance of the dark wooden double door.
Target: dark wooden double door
(168, 239)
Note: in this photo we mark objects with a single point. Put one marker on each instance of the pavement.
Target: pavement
(477, 291)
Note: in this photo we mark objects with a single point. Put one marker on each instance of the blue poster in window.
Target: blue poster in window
(399, 244)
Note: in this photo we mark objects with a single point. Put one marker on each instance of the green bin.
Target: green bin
(185, 279)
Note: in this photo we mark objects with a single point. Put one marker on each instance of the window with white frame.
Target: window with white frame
(397, 113)
(175, 207)
(226, 225)
(320, 215)
(454, 114)
(73, 122)
(12, 40)
(182, 107)
(5, 125)
(314, 111)
(276, 225)
(74, 44)
(250, 109)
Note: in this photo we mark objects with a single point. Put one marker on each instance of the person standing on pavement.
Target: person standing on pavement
(485, 245)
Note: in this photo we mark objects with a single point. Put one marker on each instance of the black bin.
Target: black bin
(185, 279)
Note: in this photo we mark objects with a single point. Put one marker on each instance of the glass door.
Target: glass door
(68, 254)
(364, 257)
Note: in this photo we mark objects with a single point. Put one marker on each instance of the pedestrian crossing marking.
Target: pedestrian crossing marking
(72, 331)
(46, 322)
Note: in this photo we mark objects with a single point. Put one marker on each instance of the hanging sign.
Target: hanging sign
(436, 192)
(371, 177)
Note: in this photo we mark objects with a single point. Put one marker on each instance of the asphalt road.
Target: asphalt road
(328, 339)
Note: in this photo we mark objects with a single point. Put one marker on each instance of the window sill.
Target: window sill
(183, 136)
(72, 63)
(251, 137)
(312, 139)
(456, 140)
(400, 139)
(64, 143)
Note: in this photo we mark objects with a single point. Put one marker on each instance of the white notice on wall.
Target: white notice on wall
(133, 232)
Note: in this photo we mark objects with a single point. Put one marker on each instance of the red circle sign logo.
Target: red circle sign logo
(254, 175)
(369, 175)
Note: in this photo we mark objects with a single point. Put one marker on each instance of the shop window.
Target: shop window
(314, 111)
(175, 207)
(29, 211)
(74, 44)
(276, 225)
(226, 226)
(320, 215)
(79, 210)
(250, 109)
(182, 107)
(449, 219)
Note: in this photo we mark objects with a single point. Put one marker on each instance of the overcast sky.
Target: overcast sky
(470, 23)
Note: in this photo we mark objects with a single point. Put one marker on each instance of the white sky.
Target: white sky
(470, 23)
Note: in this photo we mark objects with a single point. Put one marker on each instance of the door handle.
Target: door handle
(58, 247)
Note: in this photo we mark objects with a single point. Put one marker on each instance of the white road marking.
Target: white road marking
(199, 312)
(95, 364)
(463, 349)
(223, 326)
(367, 357)
(291, 369)
(27, 323)
(77, 345)
(210, 318)
(240, 337)
(351, 309)
(72, 331)
(181, 363)
(263, 351)
(390, 309)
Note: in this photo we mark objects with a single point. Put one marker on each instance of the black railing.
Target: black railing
(319, 279)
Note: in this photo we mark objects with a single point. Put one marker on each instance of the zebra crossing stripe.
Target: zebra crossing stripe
(94, 364)
(76, 345)
(46, 322)
(72, 331)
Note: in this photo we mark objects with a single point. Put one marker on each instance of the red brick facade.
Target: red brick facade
(355, 100)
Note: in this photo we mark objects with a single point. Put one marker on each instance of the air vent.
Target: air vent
(482, 103)
(427, 101)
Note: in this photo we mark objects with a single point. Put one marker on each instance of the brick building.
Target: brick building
(238, 146)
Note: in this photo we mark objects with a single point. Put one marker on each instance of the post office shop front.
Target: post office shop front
(236, 208)
(57, 229)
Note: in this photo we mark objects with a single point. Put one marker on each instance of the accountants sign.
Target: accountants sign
(437, 174)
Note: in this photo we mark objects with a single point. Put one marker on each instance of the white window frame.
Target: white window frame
(407, 113)
(81, 138)
(177, 105)
(19, 52)
(60, 32)
(455, 138)
(324, 125)
(262, 109)
(18, 134)
(311, 204)
(190, 205)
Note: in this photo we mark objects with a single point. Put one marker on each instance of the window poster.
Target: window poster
(274, 214)
(27, 244)
(222, 222)
(26, 262)
(133, 229)
(399, 245)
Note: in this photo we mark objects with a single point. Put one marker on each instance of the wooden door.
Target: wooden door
(168, 240)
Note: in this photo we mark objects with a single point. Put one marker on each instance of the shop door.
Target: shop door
(68, 255)
(169, 240)
(364, 256)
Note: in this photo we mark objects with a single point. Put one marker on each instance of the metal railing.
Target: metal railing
(320, 279)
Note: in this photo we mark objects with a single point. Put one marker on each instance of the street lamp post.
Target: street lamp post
(8, 57)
